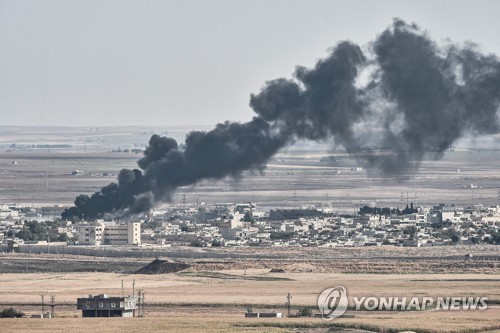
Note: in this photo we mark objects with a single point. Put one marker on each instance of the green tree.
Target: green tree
(454, 235)
(305, 312)
(151, 224)
(248, 217)
(62, 238)
(25, 234)
(11, 313)
(33, 231)
(411, 231)
(495, 238)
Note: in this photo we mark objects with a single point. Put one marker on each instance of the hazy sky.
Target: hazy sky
(96, 63)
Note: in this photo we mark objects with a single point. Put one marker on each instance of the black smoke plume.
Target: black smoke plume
(406, 94)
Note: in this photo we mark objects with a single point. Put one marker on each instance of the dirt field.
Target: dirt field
(291, 179)
(377, 260)
(213, 294)
(216, 302)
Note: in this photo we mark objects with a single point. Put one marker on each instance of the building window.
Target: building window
(101, 304)
(113, 304)
(87, 304)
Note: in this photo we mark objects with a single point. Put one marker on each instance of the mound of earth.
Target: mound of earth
(303, 268)
(277, 270)
(162, 267)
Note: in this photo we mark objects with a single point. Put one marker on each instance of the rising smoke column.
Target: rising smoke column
(227, 150)
(419, 99)
(439, 94)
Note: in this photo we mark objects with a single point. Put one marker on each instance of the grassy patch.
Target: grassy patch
(367, 327)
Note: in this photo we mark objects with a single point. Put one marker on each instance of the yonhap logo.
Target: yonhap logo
(333, 302)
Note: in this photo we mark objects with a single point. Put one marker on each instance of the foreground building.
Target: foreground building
(105, 306)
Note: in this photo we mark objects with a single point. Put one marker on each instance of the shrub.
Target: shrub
(305, 312)
(11, 313)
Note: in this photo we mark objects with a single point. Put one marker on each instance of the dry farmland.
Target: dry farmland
(297, 175)
(213, 297)
(191, 303)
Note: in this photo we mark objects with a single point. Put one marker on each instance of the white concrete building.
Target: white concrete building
(106, 234)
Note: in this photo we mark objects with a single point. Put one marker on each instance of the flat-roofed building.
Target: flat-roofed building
(124, 234)
(90, 234)
(105, 306)
(107, 234)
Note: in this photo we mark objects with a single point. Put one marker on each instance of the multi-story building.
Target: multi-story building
(106, 234)
(105, 306)
(90, 234)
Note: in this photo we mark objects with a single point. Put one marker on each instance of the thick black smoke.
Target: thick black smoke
(407, 95)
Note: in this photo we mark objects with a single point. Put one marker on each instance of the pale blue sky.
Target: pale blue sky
(98, 62)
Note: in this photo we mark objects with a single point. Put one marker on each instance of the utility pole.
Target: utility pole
(52, 305)
(289, 303)
(143, 306)
(133, 288)
(122, 287)
(42, 295)
(139, 303)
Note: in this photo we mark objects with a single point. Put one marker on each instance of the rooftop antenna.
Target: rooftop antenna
(184, 199)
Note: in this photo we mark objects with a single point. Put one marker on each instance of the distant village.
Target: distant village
(244, 224)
